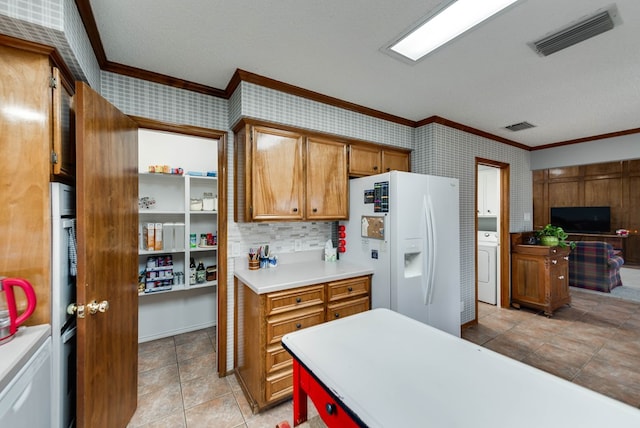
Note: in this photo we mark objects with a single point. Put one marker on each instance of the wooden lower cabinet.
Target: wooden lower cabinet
(264, 368)
(540, 277)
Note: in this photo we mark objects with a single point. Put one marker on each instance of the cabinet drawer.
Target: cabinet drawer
(350, 307)
(279, 385)
(348, 288)
(294, 299)
(278, 326)
(277, 359)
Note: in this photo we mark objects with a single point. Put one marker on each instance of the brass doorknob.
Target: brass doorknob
(97, 307)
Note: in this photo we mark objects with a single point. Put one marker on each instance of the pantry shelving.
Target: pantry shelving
(172, 233)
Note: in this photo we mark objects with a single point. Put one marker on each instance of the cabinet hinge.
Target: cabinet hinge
(54, 158)
(53, 82)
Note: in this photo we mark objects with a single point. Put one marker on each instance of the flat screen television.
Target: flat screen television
(582, 219)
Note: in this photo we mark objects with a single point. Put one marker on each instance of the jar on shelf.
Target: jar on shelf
(208, 202)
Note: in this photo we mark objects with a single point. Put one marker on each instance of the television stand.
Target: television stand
(618, 242)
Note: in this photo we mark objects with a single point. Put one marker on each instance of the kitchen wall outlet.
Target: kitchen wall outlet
(297, 245)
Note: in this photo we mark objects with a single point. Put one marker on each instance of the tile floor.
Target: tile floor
(178, 386)
(594, 343)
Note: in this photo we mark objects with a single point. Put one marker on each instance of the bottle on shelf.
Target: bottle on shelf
(192, 272)
(200, 273)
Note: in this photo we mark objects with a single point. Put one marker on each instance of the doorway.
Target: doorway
(492, 233)
(221, 287)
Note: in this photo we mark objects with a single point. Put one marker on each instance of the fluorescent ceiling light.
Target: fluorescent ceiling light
(449, 23)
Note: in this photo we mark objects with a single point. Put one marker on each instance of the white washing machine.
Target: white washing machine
(488, 272)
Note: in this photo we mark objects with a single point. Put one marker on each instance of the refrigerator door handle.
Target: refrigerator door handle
(430, 240)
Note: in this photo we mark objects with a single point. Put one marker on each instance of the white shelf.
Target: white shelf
(199, 249)
(151, 211)
(172, 194)
(158, 252)
(182, 287)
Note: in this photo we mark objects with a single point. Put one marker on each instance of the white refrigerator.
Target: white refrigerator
(406, 227)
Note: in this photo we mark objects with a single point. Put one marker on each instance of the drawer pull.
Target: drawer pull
(298, 300)
(337, 315)
(298, 325)
(566, 258)
(554, 262)
(350, 289)
(561, 277)
(331, 408)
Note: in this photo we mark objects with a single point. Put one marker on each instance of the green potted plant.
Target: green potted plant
(552, 236)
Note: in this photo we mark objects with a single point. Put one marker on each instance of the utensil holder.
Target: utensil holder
(254, 264)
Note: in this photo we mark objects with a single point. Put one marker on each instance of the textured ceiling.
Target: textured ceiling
(487, 79)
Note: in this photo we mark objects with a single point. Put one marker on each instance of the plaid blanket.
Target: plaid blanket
(594, 266)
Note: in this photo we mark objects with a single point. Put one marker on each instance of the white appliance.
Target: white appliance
(25, 402)
(406, 227)
(63, 292)
(488, 267)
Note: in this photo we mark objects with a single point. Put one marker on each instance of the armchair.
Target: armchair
(594, 266)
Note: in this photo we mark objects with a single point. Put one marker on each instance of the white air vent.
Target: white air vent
(520, 126)
(578, 32)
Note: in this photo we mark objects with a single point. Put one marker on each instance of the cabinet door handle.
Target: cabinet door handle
(375, 167)
(388, 169)
(295, 210)
(566, 258)
(331, 408)
(561, 277)
(298, 300)
(350, 289)
(337, 315)
(554, 262)
(315, 210)
(298, 325)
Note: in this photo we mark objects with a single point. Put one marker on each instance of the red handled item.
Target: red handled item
(14, 320)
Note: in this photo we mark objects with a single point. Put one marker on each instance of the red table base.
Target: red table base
(305, 385)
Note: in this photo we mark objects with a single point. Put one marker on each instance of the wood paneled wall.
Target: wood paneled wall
(613, 184)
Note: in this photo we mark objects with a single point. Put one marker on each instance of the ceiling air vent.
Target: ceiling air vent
(520, 126)
(576, 33)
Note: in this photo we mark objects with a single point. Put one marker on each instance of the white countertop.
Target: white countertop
(390, 370)
(15, 353)
(298, 271)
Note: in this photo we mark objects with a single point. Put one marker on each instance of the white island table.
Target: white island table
(382, 369)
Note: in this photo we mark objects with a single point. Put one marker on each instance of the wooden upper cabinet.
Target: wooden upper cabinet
(395, 161)
(364, 160)
(327, 180)
(367, 160)
(277, 176)
(63, 150)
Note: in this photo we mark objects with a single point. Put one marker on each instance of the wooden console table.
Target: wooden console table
(539, 275)
(382, 369)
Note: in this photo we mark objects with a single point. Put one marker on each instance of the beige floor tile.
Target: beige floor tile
(155, 345)
(222, 412)
(191, 336)
(157, 405)
(203, 389)
(628, 394)
(160, 357)
(558, 361)
(271, 417)
(175, 420)
(204, 365)
(154, 379)
(195, 348)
